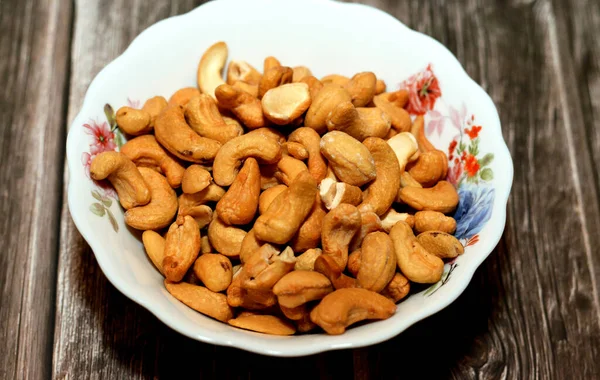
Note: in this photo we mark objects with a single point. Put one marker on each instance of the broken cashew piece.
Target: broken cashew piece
(370, 222)
(227, 240)
(266, 267)
(359, 123)
(237, 296)
(300, 72)
(285, 103)
(154, 244)
(441, 244)
(392, 103)
(442, 197)
(195, 179)
(228, 159)
(314, 85)
(182, 246)
(344, 307)
(133, 121)
(203, 117)
(391, 217)
(214, 270)
(246, 107)
(195, 206)
(414, 261)
(299, 287)
(145, 151)
(161, 209)
(239, 204)
(322, 104)
(174, 134)
(404, 146)
(334, 193)
(210, 67)
(201, 299)
(124, 176)
(434, 221)
(266, 324)
(242, 71)
(350, 160)
(306, 261)
(274, 77)
(286, 213)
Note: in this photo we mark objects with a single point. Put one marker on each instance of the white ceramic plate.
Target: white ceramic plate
(328, 37)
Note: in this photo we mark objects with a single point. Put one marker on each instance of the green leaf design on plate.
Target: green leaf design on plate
(110, 115)
(432, 288)
(461, 147)
(112, 220)
(97, 209)
(107, 202)
(487, 174)
(119, 139)
(487, 159)
(96, 194)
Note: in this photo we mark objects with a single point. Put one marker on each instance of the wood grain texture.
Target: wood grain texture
(532, 309)
(34, 40)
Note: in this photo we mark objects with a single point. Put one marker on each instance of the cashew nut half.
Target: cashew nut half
(240, 202)
(210, 68)
(182, 246)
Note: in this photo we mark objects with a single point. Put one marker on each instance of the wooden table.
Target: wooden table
(531, 311)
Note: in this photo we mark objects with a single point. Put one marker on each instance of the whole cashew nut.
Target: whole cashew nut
(288, 169)
(299, 287)
(392, 103)
(145, 151)
(214, 270)
(227, 240)
(268, 196)
(204, 118)
(359, 123)
(266, 324)
(246, 107)
(377, 262)
(182, 96)
(154, 244)
(133, 121)
(361, 88)
(350, 160)
(239, 204)
(182, 246)
(344, 307)
(370, 222)
(161, 209)
(250, 244)
(430, 168)
(210, 67)
(442, 197)
(309, 233)
(441, 244)
(124, 176)
(154, 106)
(173, 133)
(322, 104)
(229, 157)
(398, 288)
(434, 221)
(201, 299)
(413, 260)
(195, 179)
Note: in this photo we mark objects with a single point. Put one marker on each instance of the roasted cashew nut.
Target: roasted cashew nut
(154, 106)
(182, 246)
(377, 262)
(442, 197)
(322, 104)
(237, 296)
(266, 324)
(286, 103)
(274, 77)
(195, 179)
(195, 206)
(288, 169)
(182, 96)
(350, 160)
(124, 176)
(334, 193)
(359, 123)
(300, 286)
(370, 222)
(309, 233)
(306, 261)
(145, 151)
(391, 217)
(246, 107)
(242, 71)
(227, 240)
(161, 209)
(361, 88)
(398, 288)
(312, 142)
(314, 85)
(154, 244)
(300, 72)
(266, 267)
(214, 270)
(441, 244)
(392, 103)
(204, 118)
(239, 204)
(210, 67)
(268, 196)
(344, 307)
(434, 221)
(430, 168)
(133, 121)
(201, 299)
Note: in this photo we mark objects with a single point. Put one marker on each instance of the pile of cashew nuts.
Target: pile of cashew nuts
(278, 202)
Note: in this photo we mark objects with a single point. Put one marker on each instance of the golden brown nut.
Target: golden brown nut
(361, 88)
(201, 299)
(306, 261)
(274, 77)
(434, 221)
(288, 169)
(377, 262)
(245, 107)
(325, 101)
(249, 245)
(350, 160)
(133, 121)
(370, 222)
(312, 142)
(269, 63)
(242, 71)
(154, 244)
(296, 150)
(359, 123)
(397, 289)
(300, 72)
(334, 193)
(182, 246)
(430, 168)
(189, 202)
(239, 204)
(392, 103)
(285, 103)
(214, 270)
(314, 85)
(195, 179)
(266, 324)
(268, 196)
(204, 118)
(154, 106)
(442, 197)
(441, 244)
(210, 67)
(124, 176)
(265, 267)
(299, 287)
(182, 96)
(380, 87)
(309, 234)
(225, 239)
(336, 79)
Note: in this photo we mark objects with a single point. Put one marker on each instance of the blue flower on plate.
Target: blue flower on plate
(474, 209)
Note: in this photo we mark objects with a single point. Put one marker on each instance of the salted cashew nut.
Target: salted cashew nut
(124, 176)
(397, 289)
(309, 233)
(203, 117)
(268, 196)
(442, 197)
(246, 107)
(269, 63)
(154, 106)
(266, 267)
(370, 222)
(174, 134)
(145, 151)
(182, 246)
(300, 72)
(296, 150)
(336, 79)
(322, 104)
(334, 193)
(161, 209)
(195, 179)
(350, 160)
(306, 261)
(314, 85)
(312, 142)
(301, 286)
(344, 307)
(154, 244)
(288, 168)
(361, 88)
(285, 103)
(377, 262)
(242, 71)
(286, 213)
(359, 123)
(250, 244)
(430, 168)
(392, 103)
(201, 299)
(380, 87)
(434, 221)
(441, 244)
(210, 68)
(182, 96)
(134, 121)
(229, 157)
(381, 193)
(266, 324)
(214, 270)
(391, 217)
(274, 77)
(414, 261)
(226, 239)
(239, 204)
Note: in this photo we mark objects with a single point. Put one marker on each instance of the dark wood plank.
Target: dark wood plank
(531, 310)
(34, 48)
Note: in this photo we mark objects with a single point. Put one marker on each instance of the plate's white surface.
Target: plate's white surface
(326, 36)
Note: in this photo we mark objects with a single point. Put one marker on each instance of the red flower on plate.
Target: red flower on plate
(451, 148)
(454, 173)
(471, 165)
(473, 132)
(103, 138)
(423, 90)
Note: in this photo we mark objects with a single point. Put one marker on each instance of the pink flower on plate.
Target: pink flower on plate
(133, 103)
(435, 124)
(103, 137)
(423, 90)
(454, 173)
